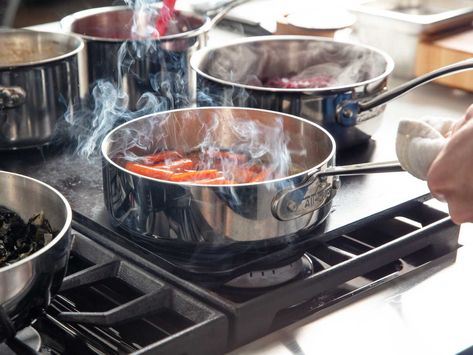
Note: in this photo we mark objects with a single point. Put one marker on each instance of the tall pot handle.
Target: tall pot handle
(316, 191)
(347, 111)
(11, 96)
(222, 12)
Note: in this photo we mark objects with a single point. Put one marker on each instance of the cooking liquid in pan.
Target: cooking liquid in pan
(212, 167)
(14, 52)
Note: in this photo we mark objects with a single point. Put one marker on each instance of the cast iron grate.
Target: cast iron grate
(109, 306)
(347, 266)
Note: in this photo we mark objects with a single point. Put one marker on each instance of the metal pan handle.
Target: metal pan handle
(11, 97)
(349, 110)
(316, 191)
(220, 12)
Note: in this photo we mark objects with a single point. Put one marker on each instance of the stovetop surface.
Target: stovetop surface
(113, 301)
(360, 202)
(378, 233)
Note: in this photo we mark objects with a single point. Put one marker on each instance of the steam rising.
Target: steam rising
(110, 110)
(264, 142)
(109, 104)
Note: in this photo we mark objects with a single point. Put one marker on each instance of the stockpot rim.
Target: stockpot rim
(50, 36)
(67, 22)
(199, 55)
(308, 172)
(63, 232)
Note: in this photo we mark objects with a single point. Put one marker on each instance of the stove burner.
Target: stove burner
(26, 341)
(274, 276)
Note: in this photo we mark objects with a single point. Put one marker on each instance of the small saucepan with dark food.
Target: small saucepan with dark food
(338, 85)
(221, 175)
(35, 241)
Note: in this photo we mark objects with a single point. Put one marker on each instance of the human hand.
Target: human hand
(450, 177)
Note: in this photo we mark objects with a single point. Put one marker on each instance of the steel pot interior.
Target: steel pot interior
(20, 48)
(115, 24)
(308, 145)
(250, 62)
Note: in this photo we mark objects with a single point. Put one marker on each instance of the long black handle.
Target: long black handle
(412, 84)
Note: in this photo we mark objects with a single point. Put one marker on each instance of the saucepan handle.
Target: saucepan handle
(317, 191)
(11, 97)
(348, 111)
(362, 169)
(219, 13)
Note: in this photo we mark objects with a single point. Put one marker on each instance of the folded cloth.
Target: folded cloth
(418, 143)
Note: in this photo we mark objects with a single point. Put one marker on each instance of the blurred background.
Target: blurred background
(23, 13)
(420, 35)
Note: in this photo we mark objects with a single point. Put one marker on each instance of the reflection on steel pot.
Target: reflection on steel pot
(334, 84)
(39, 81)
(27, 285)
(203, 213)
(140, 63)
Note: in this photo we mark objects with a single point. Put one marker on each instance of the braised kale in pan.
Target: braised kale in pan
(19, 239)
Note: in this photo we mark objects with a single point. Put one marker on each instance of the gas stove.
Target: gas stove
(128, 295)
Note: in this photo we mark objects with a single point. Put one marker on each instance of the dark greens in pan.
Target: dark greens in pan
(19, 239)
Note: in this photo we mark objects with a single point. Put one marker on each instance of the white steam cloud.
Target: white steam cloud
(110, 103)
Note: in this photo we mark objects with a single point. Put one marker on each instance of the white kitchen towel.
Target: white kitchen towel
(418, 143)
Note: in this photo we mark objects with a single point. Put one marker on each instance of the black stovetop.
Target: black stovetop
(116, 301)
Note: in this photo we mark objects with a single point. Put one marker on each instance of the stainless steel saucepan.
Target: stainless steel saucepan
(349, 81)
(39, 82)
(121, 50)
(199, 213)
(28, 285)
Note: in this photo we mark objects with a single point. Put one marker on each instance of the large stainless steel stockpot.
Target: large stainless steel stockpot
(39, 81)
(140, 63)
(350, 108)
(197, 213)
(27, 286)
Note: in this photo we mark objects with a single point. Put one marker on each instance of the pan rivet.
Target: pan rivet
(292, 206)
(347, 113)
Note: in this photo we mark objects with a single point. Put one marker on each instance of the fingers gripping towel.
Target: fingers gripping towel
(418, 143)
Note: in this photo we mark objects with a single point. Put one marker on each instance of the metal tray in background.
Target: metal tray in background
(396, 26)
(417, 16)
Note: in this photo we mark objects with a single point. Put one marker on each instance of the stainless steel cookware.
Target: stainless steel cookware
(349, 107)
(122, 49)
(197, 213)
(118, 51)
(39, 81)
(27, 285)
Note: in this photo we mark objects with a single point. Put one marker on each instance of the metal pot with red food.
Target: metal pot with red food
(338, 85)
(35, 241)
(221, 175)
(39, 81)
(144, 49)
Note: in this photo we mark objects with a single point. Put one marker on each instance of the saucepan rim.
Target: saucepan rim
(198, 57)
(310, 171)
(68, 21)
(48, 36)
